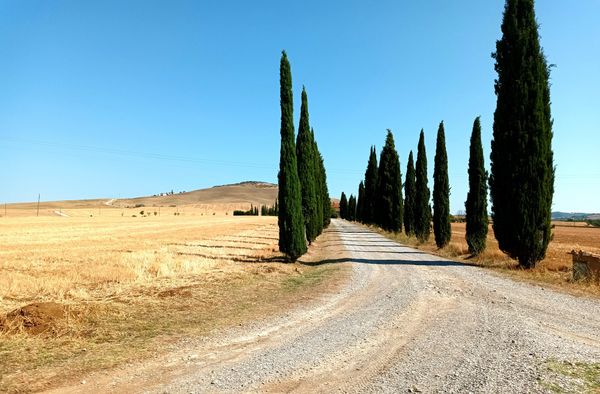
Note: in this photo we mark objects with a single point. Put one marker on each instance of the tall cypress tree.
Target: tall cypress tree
(476, 204)
(292, 240)
(409, 197)
(422, 207)
(319, 188)
(343, 206)
(360, 203)
(351, 214)
(522, 169)
(371, 187)
(326, 200)
(441, 192)
(307, 172)
(389, 188)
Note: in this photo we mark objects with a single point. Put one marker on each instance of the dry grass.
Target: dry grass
(555, 270)
(131, 287)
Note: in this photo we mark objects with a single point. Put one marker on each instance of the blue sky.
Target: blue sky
(128, 98)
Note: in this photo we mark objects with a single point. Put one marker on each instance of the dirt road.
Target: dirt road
(406, 321)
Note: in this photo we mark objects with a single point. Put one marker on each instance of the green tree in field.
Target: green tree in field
(307, 172)
(343, 206)
(522, 168)
(389, 206)
(441, 192)
(292, 240)
(476, 204)
(360, 203)
(409, 197)
(351, 214)
(422, 207)
(371, 187)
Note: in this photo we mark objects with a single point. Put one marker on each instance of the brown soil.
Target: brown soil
(35, 319)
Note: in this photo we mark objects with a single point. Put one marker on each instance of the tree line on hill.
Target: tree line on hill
(521, 182)
(265, 210)
(304, 203)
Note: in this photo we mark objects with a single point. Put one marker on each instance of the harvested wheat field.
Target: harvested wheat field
(85, 293)
(555, 269)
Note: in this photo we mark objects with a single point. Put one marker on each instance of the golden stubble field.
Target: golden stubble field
(555, 269)
(81, 293)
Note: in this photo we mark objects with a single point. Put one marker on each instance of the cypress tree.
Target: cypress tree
(422, 207)
(343, 206)
(351, 214)
(305, 152)
(522, 169)
(323, 192)
(441, 192)
(319, 189)
(371, 187)
(360, 202)
(325, 199)
(292, 240)
(410, 196)
(476, 204)
(389, 188)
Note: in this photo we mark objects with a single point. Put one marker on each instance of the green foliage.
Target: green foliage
(441, 192)
(371, 188)
(410, 197)
(320, 185)
(253, 211)
(476, 204)
(292, 240)
(307, 172)
(360, 204)
(325, 199)
(389, 205)
(351, 213)
(522, 169)
(422, 207)
(269, 211)
(343, 206)
(593, 222)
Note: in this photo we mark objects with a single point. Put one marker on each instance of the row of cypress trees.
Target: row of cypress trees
(522, 161)
(522, 167)
(381, 203)
(304, 203)
(380, 197)
(348, 209)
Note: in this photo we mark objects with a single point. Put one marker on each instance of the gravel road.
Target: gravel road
(406, 321)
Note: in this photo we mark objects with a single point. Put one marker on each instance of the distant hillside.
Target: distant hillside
(257, 193)
(574, 216)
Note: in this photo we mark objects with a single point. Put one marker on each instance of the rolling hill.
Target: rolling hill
(217, 198)
(251, 192)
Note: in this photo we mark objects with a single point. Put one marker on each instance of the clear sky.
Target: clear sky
(126, 98)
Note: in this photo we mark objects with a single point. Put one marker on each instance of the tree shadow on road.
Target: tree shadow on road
(419, 263)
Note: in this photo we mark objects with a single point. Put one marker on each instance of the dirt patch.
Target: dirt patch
(183, 291)
(35, 319)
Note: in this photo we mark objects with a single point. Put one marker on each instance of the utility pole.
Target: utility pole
(38, 206)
